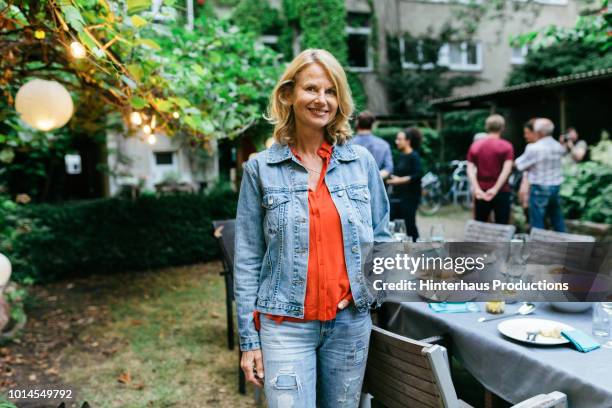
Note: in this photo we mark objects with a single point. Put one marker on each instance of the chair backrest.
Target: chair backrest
(578, 256)
(225, 231)
(403, 372)
(477, 231)
(542, 235)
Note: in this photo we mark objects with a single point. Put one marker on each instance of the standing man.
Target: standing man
(375, 145)
(489, 166)
(575, 147)
(542, 161)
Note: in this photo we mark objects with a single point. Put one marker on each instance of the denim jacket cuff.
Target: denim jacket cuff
(249, 343)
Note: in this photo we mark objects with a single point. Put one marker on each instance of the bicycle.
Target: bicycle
(459, 193)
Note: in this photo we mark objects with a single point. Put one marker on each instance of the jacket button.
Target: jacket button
(355, 249)
(270, 200)
(340, 193)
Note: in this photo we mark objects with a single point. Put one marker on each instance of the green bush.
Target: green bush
(117, 235)
(429, 147)
(587, 192)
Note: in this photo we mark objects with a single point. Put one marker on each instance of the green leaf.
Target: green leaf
(7, 155)
(193, 122)
(149, 43)
(138, 102)
(136, 71)
(73, 17)
(129, 82)
(135, 6)
(163, 105)
(215, 58)
(198, 69)
(138, 21)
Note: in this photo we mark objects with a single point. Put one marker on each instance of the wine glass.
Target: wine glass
(399, 230)
(437, 233)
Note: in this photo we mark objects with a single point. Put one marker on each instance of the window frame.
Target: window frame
(444, 57)
(367, 32)
(519, 60)
(412, 65)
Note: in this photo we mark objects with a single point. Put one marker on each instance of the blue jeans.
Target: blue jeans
(315, 363)
(544, 201)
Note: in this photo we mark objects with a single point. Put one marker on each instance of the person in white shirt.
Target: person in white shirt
(542, 161)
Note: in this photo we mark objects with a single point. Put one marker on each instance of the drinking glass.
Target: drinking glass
(399, 230)
(437, 233)
(602, 323)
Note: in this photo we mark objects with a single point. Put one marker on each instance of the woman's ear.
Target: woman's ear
(286, 93)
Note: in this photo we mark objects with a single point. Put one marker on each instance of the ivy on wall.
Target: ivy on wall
(315, 23)
(411, 89)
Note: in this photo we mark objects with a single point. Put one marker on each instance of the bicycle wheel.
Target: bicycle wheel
(465, 196)
(431, 201)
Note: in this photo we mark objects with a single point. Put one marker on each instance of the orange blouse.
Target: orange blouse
(327, 280)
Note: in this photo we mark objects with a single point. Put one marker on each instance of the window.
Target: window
(359, 32)
(165, 166)
(461, 56)
(270, 41)
(164, 158)
(416, 53)
(518, 55)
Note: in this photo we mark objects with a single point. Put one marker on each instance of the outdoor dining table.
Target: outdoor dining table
(510, 369)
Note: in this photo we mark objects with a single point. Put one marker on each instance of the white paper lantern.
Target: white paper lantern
(5, 271)
(44, 105)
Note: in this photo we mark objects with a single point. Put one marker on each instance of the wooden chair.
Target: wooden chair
(542, 235)
(402, 372)
(224, 231)
(477, 231)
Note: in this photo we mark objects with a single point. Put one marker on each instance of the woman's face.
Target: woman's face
(529, 135)
(400, 141)
(314, 98)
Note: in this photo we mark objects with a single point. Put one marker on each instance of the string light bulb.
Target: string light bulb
(151, 139)
(39, 34)
(135, 118)
(146, 129)
(175, 115)
(77, 50)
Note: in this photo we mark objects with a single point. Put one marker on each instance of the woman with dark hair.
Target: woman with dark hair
(406, 181)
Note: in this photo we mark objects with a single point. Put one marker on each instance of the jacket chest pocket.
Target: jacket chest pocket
(276, 211)
(360, 201)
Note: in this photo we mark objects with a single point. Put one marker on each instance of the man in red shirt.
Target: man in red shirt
(489, 166)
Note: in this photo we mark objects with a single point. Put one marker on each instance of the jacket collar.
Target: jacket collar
(278, 153)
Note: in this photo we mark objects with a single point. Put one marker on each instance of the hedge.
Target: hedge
(118, 235)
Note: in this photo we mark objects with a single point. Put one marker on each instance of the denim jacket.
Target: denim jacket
(272, 230)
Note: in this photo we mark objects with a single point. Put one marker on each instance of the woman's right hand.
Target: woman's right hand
(251, 364)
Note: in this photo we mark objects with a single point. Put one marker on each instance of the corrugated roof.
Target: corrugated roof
(544, 83)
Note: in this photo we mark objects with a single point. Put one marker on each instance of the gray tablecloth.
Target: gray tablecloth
(515, 371)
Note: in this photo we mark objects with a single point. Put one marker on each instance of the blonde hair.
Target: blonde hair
(280, 113)
(495, 124)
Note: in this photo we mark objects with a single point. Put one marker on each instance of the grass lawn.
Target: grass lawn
(152, 339)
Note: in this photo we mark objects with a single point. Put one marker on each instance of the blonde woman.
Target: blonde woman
(306, 205)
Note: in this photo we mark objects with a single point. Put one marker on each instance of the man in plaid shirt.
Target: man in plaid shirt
(542, 161)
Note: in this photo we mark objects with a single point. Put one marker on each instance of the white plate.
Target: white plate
(517, 329)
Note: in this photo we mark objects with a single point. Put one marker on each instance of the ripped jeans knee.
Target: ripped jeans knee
(283, 386)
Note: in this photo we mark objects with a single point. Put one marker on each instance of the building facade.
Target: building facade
(487, 54)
